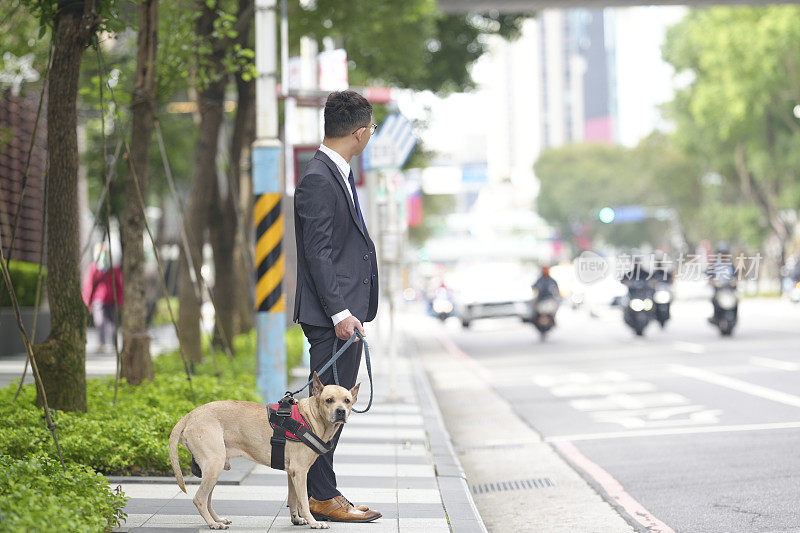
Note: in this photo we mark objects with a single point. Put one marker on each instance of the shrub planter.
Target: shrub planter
(9, 331)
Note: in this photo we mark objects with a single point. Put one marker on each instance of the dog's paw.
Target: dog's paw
(219, 525)
(299, 521)
(319, 525)
(224, 520)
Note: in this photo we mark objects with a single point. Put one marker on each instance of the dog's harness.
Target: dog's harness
(288, 423)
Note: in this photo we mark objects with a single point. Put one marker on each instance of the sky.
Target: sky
(458, 125)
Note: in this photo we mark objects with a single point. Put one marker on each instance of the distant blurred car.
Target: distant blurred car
(493, 290)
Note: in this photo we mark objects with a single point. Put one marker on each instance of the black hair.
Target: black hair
(345, 112)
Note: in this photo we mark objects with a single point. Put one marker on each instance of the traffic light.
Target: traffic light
(606, 215)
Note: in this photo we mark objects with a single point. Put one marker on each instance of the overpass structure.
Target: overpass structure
(526, 6)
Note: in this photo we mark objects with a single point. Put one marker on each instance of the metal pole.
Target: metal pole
(391, 211)
(268, 187)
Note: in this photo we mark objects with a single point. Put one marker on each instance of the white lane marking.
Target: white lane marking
(616, 492)
(689, 347)
(629, 401)
(657, 432)
(737, 385)
(600, 389)
(775, 363)
(580, 378)
(660, 417)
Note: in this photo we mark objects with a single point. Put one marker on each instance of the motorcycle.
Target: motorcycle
(442, 305)
(544, 314)
(639, 306)
(726, 306)
(662, 298)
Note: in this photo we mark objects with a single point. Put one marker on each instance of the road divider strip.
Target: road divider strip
(613, 488)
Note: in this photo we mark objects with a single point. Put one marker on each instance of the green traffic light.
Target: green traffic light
(607, 215)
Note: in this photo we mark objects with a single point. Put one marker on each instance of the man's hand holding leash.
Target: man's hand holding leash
(345, 328)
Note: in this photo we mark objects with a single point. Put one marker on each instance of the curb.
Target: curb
(240, 468)
(462, 514)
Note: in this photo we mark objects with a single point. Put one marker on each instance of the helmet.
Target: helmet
(723, 248)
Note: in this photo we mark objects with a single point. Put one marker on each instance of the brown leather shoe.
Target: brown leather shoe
(338, 509)
(359, 507)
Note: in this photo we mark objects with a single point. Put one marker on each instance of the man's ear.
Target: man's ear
(316, 385)
(354, 392)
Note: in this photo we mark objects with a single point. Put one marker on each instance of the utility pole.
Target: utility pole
(268, 188)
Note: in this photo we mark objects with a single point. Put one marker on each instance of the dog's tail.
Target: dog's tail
(174, 438)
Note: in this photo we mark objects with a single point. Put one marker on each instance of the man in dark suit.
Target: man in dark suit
(337, 273)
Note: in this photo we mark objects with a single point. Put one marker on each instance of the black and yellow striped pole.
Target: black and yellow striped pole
(268, 219)
(269, 253)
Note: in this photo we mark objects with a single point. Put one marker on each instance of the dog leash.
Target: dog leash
(332, 363)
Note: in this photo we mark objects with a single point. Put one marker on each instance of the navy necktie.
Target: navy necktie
(355, 199)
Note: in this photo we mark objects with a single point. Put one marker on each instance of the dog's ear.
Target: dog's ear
(354, 392)
(316, 385)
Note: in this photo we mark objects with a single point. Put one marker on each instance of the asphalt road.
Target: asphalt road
(703, 431)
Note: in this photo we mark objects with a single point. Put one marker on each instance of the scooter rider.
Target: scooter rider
(546, 286)
(721, 272)
(637, 272)
(661, 269)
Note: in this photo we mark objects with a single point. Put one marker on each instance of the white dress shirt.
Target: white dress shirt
(344, 169)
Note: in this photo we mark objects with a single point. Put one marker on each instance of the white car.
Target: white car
(491, 291)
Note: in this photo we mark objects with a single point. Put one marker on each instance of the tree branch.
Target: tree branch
(753, 190)
(242, 25)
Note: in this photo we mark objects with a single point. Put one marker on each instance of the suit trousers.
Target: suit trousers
(321, 477)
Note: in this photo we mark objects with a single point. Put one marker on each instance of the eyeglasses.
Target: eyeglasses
(372, 127)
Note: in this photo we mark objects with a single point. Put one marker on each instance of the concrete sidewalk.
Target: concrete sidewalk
(396, 458)
(518, 481)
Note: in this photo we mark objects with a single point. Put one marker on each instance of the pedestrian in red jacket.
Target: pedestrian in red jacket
(98, 294)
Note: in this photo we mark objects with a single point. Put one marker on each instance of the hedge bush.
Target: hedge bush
(24, 276)
(131, 438)
(36, 495)
(244, 363)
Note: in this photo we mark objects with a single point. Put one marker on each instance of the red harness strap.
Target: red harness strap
(295, 416)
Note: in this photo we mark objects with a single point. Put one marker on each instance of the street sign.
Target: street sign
(391, 145)
(629, 213)
(332, 66)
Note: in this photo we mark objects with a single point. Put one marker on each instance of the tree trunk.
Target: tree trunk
(62, 356)
(243, 257)
(210, 106)
(245, 239)
(136, 362)
(234, 313)
(223, 241)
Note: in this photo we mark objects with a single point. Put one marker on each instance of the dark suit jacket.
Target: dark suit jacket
(336, 264)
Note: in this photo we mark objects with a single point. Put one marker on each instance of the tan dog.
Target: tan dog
(217, 431)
